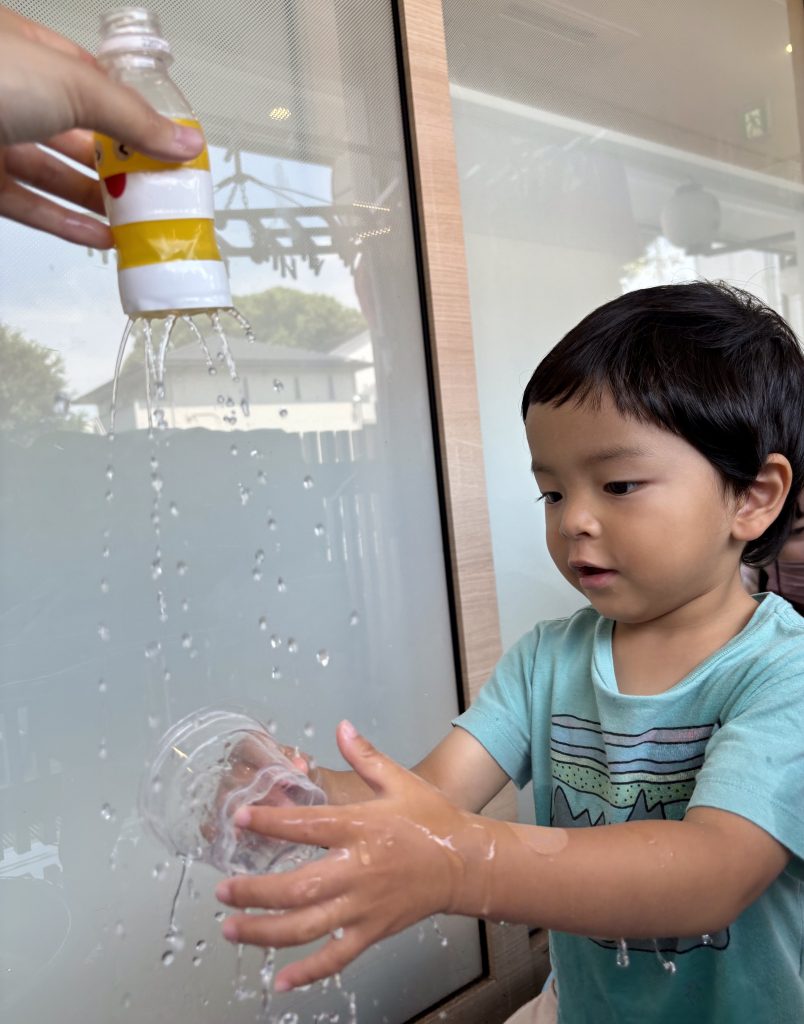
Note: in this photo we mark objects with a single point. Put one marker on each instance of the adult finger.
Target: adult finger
(15, 23)
(33, 166)
(26, 207)
(78, 145)
(116, 110)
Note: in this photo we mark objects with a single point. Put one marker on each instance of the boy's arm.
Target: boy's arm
(411, 853)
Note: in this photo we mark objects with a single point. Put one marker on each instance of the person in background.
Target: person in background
(53, 94)
(661, 725)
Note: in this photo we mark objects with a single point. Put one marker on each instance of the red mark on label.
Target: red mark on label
(115, 185)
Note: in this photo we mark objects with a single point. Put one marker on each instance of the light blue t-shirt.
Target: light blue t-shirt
(730, 735)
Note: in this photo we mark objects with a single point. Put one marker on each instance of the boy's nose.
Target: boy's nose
(578, 520)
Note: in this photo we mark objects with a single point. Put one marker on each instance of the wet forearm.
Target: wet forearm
(638, 879)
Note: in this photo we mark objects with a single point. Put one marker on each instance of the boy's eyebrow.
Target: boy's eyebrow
(620, 451)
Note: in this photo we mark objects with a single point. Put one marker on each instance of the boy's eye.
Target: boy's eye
(549, 497)
(620, 487)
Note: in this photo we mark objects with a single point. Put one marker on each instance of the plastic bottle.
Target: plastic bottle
(161, 214)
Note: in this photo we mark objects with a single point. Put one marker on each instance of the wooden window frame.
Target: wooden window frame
(515, 960)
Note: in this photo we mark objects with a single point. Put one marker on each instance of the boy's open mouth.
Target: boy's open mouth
(592, 575)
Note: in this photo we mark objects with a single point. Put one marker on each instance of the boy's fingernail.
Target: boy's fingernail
(223, 891)
(188, 140)
(242, 816)
(280, 985)
(349, 730)
(229, 930)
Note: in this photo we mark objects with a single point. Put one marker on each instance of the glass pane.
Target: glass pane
(604, 146)
(276, 542)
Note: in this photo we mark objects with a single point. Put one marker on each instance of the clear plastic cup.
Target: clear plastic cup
(209, 764)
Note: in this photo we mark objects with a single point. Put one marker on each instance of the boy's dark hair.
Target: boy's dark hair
(706, 361)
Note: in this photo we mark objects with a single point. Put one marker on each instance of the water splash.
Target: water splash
(667, 965)
(623, 959)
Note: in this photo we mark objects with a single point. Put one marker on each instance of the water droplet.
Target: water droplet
(263, 623)
(229, 402)
(322, 658)
(153, 721)
(281, 586)
(109, 495)
(233, 449)
(318, 530)
(357, 399)
(174, 509)
(175, 940)
(220, 915)
(244, 407)
(168, 958)
(283, 412)
(197, 961)
(221, 399)
(293, 647)
(212, 371)
(106, 551)
(103, 750)
(278, 385)
(308, 483)
(61, 404)
(338, 933)
(706, 939)
(259, 556)
(104, 586)
(181, 568)
(107, 812)
(623, 959)
(160, 871)
(156, 784)
(272, 727)
(110, 472)
(185, 605)
(272, 524)
(256, 575)
(103, 632)
(156, 569)
(309, 730)
(245, 494)
(261, 477)
(276, 673)
(156, 483)
(102, 687)
(186, 641)
(201, 945)
(126, 1001)
(120, 930)
(152, 649)
(275, 641)
(354, 618)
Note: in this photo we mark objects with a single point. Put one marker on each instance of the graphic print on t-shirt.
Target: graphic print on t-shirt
(600, 778)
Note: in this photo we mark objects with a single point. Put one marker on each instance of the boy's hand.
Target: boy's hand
(55, 93)
(393, 861)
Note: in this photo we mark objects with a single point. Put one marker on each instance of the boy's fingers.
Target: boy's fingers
(27, 207)
(316, 826)
(325, 962)
(294, 928)
(78, 145)
(29, 164)
(15, 23)
(376, 769)
(311, 883)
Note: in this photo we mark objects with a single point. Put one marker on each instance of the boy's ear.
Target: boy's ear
(764, 499)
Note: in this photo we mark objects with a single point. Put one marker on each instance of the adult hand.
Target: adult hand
(392, 861)
(55, 93)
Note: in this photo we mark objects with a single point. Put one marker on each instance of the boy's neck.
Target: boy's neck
(651, 657)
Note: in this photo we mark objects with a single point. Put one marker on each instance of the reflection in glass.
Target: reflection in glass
(274, 540)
